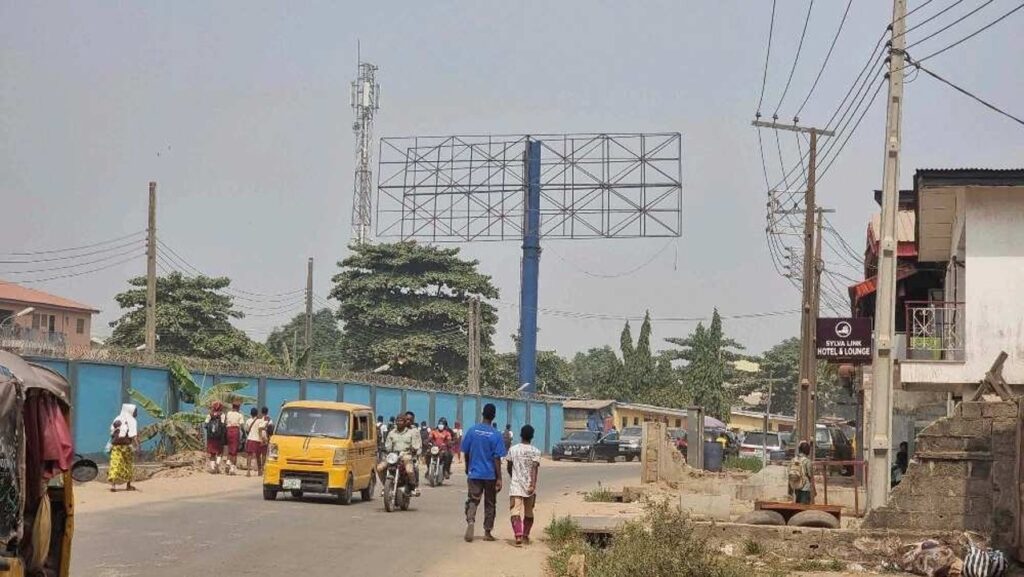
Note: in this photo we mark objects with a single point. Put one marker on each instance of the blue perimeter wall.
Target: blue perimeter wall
(98, 389)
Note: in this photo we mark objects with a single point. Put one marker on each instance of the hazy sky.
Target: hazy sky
(240, 110)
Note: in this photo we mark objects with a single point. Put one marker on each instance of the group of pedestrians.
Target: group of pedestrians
(232, 433)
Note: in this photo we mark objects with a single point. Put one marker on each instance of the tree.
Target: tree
(596, 372)
(554, 374)
(192, 318)
(404, 309)
(287, 343)
(781, 364)
(180, 431)
(708, 357)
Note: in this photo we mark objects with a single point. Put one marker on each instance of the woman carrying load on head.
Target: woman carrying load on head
(124, 436)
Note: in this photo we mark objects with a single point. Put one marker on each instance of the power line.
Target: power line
(77, 273)
(614, 275)
(965, 92)
(796, 59)
(951, 24)
(76, 248)
(767, 55)
(796, 117)
(929, 19)
(73, 256)
(972, 35)
(133, 248)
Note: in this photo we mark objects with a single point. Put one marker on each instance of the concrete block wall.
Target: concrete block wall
(965, 477)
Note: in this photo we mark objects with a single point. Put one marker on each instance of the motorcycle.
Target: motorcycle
(397, 491)
(435, 469)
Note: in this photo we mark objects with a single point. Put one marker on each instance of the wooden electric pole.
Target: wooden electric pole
(151, 277)
(309, 315)
(808, 311)
(885, 302)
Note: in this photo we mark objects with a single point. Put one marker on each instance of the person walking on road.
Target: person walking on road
(124, 437)
(235, 421)
(508, 438)
(255, 438)
(523, 468)
(216, 435)
(457, 442)
(484, 450)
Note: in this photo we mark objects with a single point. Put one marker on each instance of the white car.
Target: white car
(756, 442)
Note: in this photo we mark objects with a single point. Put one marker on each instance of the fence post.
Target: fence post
(302, 389)
(73, 380)
(261, 392)
(126, 382)
(433, 409)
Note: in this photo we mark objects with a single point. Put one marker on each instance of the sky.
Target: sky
(240, 111)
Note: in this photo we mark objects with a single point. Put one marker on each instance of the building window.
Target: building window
(679, 423)
(636, 421)
(80, 326)
(625, 422)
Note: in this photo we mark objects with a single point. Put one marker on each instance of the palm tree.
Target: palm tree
(181, 431)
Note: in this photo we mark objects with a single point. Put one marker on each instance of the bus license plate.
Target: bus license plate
(290, 484)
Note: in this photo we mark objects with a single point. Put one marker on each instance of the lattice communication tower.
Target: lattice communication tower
(365, 102)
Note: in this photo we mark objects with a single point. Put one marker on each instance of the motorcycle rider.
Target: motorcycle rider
(405, 441)
(441, 437)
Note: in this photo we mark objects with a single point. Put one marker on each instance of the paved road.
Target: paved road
(244, 535)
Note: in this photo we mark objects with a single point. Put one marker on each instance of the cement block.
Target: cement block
(715, 507)
(958, 427)
(969, 410)
(1003, 476)
(999, 410)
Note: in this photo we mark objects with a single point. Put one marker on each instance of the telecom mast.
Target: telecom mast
(365, 103)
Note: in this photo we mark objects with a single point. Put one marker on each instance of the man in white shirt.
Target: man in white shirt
(523, 463)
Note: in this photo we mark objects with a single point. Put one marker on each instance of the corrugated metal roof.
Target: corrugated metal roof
(906, 226)
(17, 293)
(588, 404)
(968, 176)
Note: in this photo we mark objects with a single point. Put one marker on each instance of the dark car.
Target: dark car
(630, 442)
(587, 446)
(832, 444)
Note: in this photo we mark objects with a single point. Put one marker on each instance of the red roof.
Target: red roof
(868, 286)
(17, 293)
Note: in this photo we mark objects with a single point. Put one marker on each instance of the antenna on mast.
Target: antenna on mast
(365, 102)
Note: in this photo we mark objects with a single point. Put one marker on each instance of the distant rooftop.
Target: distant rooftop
(29, 296)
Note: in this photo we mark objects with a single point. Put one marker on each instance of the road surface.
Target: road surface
(240, 534)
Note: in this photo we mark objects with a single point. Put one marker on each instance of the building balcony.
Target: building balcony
(28, 341)
(934, 331)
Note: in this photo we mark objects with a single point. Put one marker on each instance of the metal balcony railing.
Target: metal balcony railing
(935, 330)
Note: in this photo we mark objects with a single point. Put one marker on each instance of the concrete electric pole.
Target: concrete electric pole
(309, 314)
(885, 302)
(805, 415)
(473, 325)
(151, 277)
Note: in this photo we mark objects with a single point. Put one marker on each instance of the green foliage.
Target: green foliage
(781, 364)
(595, 373)
(709, 355)
(404, 306)
(287, 343)
(192, 318)
(752, 547)
(743, 464)
(664, 542)
(561, 530)
(599, 495)
(181, 431)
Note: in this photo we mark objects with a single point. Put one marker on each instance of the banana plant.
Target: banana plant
(181, 431)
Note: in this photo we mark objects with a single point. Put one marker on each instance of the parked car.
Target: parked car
(678, 437)
(630, 442)
(756, 442)
(587, 446)
(832, 444)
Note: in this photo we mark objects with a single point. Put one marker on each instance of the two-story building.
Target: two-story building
(37, 322)
(957, 301)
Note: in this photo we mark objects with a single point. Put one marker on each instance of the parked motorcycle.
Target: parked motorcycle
(435, 469)
(397, 489)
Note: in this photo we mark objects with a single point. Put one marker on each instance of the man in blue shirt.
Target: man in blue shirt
(484, 449)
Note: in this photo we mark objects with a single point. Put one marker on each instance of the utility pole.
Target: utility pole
(885, 302)
(473, 324)
(309, 314)
(808, 311)
(151, 277)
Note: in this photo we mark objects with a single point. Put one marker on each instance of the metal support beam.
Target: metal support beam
(530, 280)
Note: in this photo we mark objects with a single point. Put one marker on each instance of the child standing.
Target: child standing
(523, 468)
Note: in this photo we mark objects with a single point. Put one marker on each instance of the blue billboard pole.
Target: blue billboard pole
(530, 280)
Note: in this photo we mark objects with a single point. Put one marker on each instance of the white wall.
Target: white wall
(993, 289)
